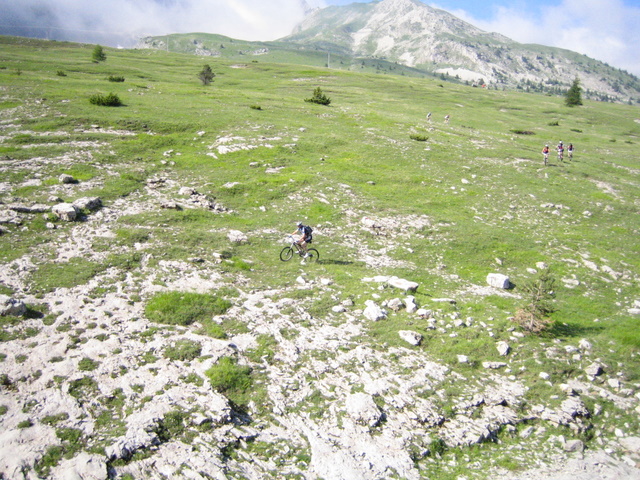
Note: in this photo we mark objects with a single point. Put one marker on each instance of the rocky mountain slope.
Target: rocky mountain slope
(394, 356)
(414, 34)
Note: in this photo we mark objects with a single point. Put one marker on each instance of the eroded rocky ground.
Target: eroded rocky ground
(87, 391)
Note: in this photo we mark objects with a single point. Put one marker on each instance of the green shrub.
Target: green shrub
(53, 420)
(109, 100)
(87, 365)
(418, 137)
(113, 78)
(522, 132)
(533, 317)
(50, 459)
(25, 424)
(182, 308)
(183, 350)
(206, 75)
(60, 73)
(98, 54)
(318, 97)
(255, 107)
(231, 379)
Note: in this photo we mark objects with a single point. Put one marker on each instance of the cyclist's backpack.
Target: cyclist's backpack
(308, 231)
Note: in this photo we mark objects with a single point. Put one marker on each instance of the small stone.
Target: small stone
(573, 446)
(503, 348)
(594, 370)
(410, 337)
(66, 179)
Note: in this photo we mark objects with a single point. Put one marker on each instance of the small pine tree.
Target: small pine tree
(98, 54)
(573, 96)
(206, 75)
(534, 316)
(319, 97)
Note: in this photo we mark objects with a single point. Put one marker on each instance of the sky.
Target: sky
(607, 30)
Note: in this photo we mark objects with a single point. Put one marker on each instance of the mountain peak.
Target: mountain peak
(413, 34)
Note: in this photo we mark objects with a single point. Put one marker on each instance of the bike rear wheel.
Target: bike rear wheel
(313, 255)
(286, 254)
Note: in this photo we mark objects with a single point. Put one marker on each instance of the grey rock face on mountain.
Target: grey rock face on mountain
(414, 34)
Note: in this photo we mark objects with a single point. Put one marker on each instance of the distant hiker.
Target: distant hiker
(570, 151)
(429, 117)
(545, 152)
(446, 119)
(306, 236)
(560, 149)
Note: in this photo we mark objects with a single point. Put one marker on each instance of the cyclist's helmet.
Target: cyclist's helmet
(560, 142)
(299, 224)
(546, 145)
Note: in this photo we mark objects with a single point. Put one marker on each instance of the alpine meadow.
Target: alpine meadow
(149, 328)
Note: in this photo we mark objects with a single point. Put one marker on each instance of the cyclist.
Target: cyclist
(560, 149)
(545, 152)
(306, 236)
(570, 151)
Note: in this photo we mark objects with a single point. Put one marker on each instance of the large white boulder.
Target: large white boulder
(498, 280)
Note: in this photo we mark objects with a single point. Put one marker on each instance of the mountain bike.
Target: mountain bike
(560, 155)
(286, 254)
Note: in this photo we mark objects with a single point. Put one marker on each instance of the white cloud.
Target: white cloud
(605, 30)
(244, 19)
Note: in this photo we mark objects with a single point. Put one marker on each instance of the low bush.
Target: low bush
(183, 308)
(318, 97)
(184, 350)
(534, 316)
(418, 137)
(109, 100)
(113, 78)
(231, 379)
(522, 132)
(87, 364)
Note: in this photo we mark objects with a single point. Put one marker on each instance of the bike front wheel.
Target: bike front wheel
(286, 254)
(313, 255)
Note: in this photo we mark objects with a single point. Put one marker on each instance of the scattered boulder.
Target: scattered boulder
(413, 338)
(11, 307)
(65, 211)
(594, 370)
(37, 208)
(66, 179)
(403, 284)
(236, 236)
(363, 410)
(573, 446)
(88, 203)
(503, 348)
(395, 304)
(410, 304)
(373, 312)
(498, 280)
(493, 365)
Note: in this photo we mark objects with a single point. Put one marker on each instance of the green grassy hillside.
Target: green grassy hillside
(455, 201)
